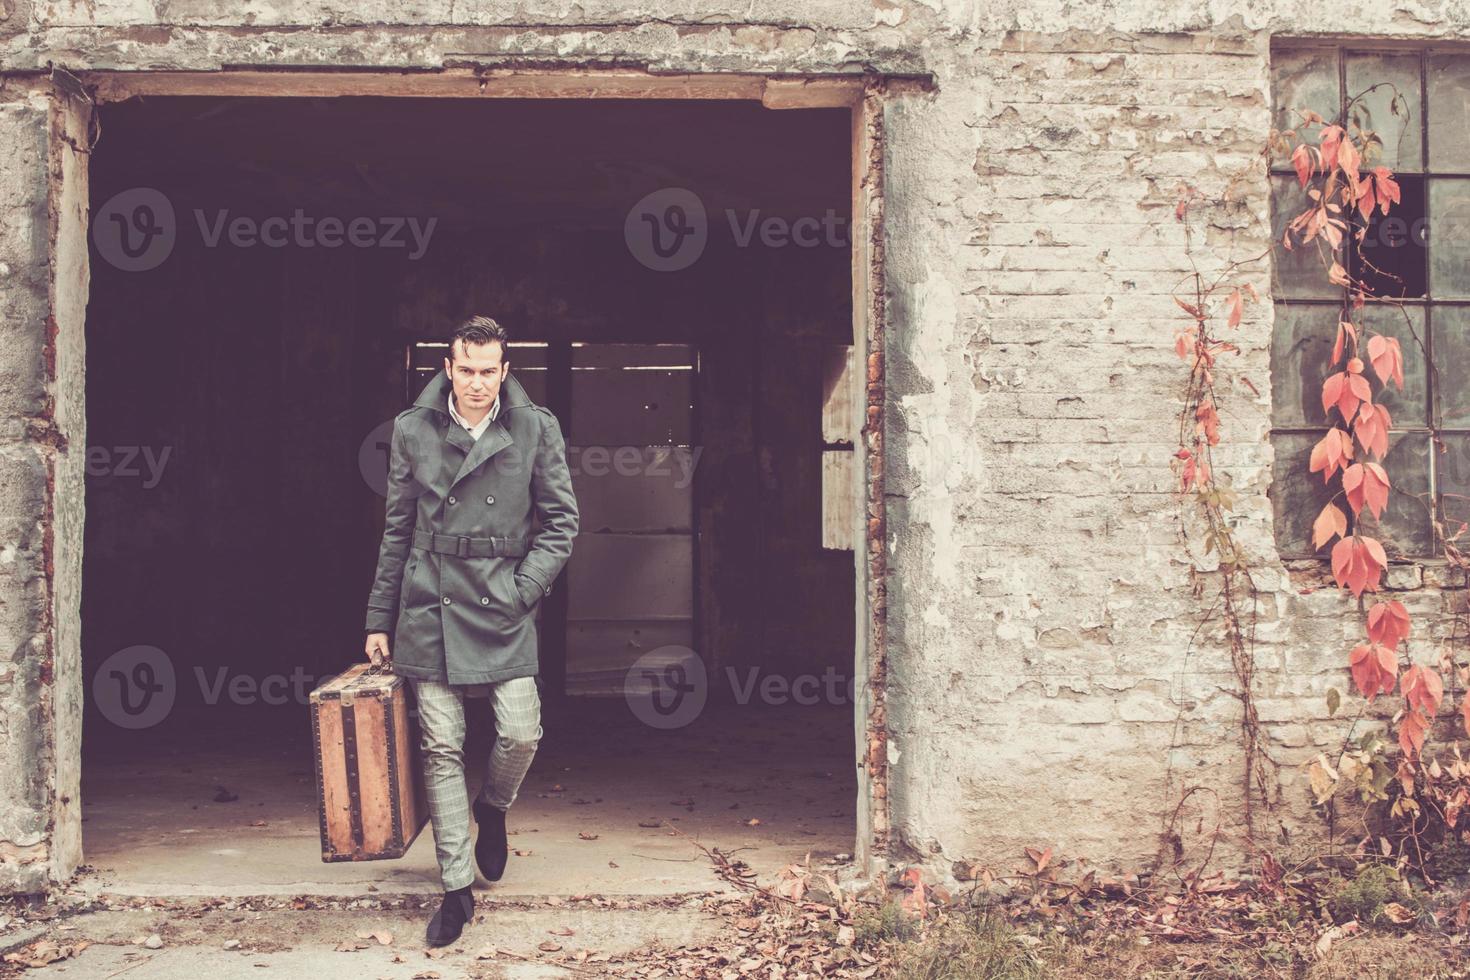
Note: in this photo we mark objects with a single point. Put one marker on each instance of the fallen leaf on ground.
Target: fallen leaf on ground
(45, 952)
(1398, 914)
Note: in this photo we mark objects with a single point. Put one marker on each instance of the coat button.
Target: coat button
(490, 499)
(451, 499)
(484, 600)
(446, 600)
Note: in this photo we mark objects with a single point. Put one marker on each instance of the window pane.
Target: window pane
(1303, 79)
(1391, 258)
(1297, 496)
(1391, 109)
(1301, 343)
(1302, 272)
(1406, 528)
(1452, 358)
(1449, 108)
(1409, 407)
(1454, 483)
(632, 394)
(1449, 237)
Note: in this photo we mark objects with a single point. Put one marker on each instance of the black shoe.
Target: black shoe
(457, 908)
(491, 850)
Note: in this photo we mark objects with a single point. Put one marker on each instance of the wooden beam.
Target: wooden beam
(469, 82)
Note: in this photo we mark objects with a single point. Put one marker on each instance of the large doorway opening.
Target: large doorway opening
(237, 395)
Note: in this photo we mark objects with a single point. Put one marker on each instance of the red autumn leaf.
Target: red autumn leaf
(1371, 426)
(1388, 623)
(1375, 488)
(1423, 689)
(1412, 729)
(1387, 358)
(1348, 159)
(1329, 524)
(1184, 342)
(1209, 422)
(1365, 199)
(1358, 563)
(1345, 391)
(1387, 188)
(1330, 140)
(1465, 712)
(1332, 390)
(1345, 330)
(1188, 470)
(1366, 483)
(1301, 159)
(1352, 485)
(1331, 453)
(1374, 669)
(1233, 307)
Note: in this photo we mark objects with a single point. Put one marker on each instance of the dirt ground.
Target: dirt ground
(1368, 922)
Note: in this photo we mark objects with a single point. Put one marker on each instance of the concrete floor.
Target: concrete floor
(152, 825)
(329, 944)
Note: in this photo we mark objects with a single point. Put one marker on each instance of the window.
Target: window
(1418, 102)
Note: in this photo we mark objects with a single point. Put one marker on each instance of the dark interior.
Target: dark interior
(263, 372)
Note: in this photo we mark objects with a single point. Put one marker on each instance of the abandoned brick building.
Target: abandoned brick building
(899, 410)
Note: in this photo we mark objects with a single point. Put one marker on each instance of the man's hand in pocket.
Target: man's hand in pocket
(529, 591)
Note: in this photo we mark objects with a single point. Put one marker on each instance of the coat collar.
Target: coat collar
(495, 438)
(436, 394)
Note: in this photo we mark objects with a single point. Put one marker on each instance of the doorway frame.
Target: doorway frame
(863, 95)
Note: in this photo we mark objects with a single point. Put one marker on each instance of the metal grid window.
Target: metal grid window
(1424, 122)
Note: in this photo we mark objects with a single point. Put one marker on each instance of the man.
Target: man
(460, 571)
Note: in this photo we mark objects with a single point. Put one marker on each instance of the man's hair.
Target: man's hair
(480, 330)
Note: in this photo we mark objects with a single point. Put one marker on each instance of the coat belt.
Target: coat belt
(468, 547)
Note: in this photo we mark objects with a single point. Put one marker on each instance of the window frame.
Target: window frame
(1428, 423)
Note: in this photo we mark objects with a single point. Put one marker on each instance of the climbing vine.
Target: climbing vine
(1343, 191)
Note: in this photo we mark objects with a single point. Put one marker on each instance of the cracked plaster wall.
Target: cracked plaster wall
(1043, 689)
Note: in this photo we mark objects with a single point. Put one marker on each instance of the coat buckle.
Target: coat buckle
(462, 546)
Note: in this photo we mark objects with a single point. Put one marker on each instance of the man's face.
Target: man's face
(476, 372)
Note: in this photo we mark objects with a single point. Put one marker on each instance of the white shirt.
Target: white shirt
(474, 430)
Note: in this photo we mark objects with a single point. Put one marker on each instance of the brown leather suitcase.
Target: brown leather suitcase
(370, 786)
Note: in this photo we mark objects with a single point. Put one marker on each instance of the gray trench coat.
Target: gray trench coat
(461, 568)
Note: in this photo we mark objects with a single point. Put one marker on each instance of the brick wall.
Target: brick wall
(1046, 686)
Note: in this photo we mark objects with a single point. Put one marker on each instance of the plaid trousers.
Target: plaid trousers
(442, 732)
